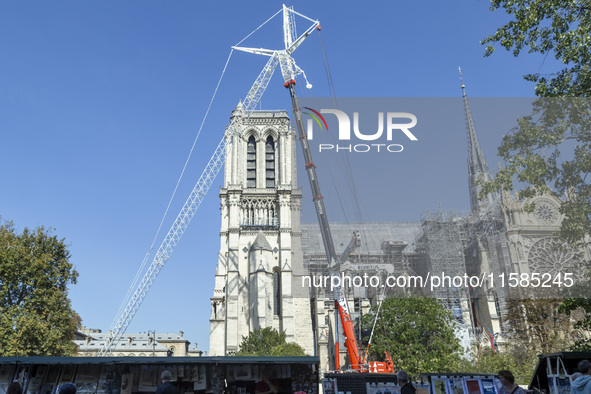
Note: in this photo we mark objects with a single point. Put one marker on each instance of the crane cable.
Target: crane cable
(374, 326)
(356, 202)
(151, 248)
(147, 255)
(327, 68)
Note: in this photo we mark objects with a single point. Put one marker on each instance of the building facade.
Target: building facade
(264, 249)
(260, 238)
(145, 344)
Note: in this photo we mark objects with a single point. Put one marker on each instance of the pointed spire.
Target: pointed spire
(239, 110)
(477, 166)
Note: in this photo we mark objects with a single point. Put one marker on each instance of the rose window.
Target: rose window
(546, 212)
(551, 255)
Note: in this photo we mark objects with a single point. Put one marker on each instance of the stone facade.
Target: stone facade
(263, 248)
(149, 344)
(260, 238)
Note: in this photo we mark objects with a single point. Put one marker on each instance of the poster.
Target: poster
(242, 372)
(472, 386)
(488, 386)
(455, 386)
(439, 385)
(329, 386)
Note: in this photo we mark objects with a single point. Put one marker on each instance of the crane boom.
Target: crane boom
(340, 300)
(190, 207)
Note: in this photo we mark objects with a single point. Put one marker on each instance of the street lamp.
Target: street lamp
(153, 338)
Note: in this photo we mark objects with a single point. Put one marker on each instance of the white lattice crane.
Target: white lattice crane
(289, 69)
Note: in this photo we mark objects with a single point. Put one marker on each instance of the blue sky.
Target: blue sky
(100, 102)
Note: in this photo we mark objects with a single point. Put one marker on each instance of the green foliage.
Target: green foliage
(287, 350)
(36, 317)
(419, 333)
(550, 150)
(561, 28)
(537, 325)
(268, 342)
(580, 310)
(521, 363)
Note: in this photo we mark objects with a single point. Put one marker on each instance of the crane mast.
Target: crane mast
(289, 70)
(340, 300)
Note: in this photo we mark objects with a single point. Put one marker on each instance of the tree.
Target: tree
(550, 26)
(419, 333)
(549, 150)
(537, 325)
(36, 317)
(522, 364)
(268, 342)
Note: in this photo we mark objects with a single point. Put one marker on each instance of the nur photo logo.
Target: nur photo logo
(390, 125)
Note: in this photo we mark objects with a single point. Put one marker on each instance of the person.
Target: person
(67, 388)
(166, 387)
(581, 384)
(508, 383)
(406, 387)
(14, 388)
(574, 377)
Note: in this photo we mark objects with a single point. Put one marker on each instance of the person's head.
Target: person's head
(584, 367)
(14, 388)
(575, 375)
(67, 388)
(506, 377)
(402, 377)
(166, 375)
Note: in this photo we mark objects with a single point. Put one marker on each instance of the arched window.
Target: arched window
(251, 163)
(276, 291)
(270, 162)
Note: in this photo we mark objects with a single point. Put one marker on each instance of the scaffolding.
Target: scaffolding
(439, 249)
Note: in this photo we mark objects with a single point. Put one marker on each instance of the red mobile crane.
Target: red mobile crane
(357, 363)
(289, 70)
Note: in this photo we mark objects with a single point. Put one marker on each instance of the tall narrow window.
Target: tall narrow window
(251, 163)
(276, 291)
(270, 162)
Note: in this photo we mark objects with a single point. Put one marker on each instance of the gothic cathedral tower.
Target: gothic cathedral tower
(260, 238)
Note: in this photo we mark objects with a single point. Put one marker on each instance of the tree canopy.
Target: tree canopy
(36, 316)
(268, 342)
(550, 150)
(561, 28)
(419, 333)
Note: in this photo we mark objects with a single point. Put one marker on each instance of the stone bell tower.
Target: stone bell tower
(260, 238)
